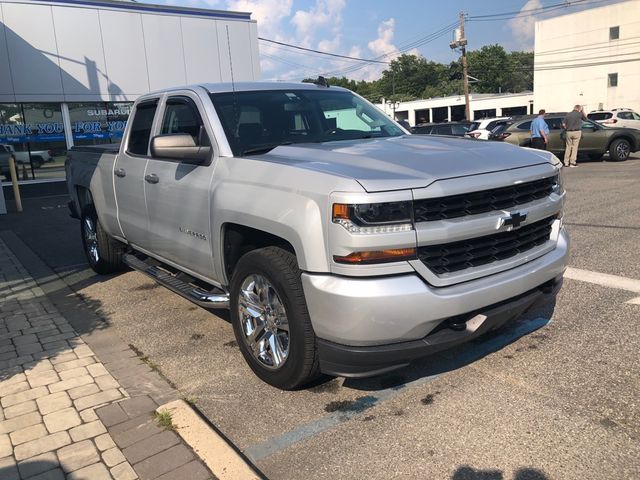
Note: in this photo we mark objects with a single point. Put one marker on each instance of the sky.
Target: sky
(382, 29)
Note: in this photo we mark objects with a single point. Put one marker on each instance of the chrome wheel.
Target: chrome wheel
(264, 321)
(623, 150)
(91, 239)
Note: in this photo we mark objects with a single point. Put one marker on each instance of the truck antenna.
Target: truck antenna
(233, 84)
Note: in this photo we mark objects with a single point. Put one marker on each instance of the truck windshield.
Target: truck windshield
(257, 121)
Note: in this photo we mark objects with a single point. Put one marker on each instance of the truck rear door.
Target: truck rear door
(129, 171)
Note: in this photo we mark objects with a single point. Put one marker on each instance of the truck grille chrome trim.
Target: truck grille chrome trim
(433, 209)
(474, 252)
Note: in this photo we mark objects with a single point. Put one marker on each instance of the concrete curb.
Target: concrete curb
(213, 449)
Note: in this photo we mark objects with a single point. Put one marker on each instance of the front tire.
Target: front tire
(270, 319)
(103, 252)
(619, 150)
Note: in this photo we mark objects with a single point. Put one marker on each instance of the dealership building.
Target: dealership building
(589, 58)
(70, 69)
(452, 108)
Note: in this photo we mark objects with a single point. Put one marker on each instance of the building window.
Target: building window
(614, 33)
(97, 123)
(34, 134)
(613, 80)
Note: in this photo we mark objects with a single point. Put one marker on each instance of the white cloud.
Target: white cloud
(268, 13)
(523, 25)
(324, 14)
(384, 43)
(330, 45)
(381, 45)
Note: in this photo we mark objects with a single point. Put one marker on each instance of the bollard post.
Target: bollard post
(14, 182)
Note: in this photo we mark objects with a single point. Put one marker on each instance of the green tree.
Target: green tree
(499, 71)
(409, 77)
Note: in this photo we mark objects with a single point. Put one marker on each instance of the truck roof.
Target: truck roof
(253, 86)
(225, 87)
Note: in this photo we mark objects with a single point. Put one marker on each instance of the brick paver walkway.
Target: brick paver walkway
(50, 385)
(62, 413)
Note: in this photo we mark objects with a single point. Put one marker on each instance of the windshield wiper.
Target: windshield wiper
(262, 149)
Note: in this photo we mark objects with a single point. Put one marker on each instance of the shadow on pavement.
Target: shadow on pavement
(469, 473)
(459, 356)
(30, 468)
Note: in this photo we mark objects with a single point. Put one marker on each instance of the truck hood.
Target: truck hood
(409, 161)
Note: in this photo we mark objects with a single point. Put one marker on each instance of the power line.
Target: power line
(533, 11)
(423, 41)
(590, 46)
(298, 47)
(376, 60)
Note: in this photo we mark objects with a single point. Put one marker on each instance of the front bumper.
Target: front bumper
(369, 325)
(365, 361)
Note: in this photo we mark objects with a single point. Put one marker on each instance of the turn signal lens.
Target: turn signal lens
(377, 256)
(340, 211)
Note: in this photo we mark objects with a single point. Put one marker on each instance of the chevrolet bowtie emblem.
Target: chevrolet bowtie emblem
(514, 220)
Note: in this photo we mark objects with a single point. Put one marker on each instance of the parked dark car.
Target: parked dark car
(595, 142)
(457, 129)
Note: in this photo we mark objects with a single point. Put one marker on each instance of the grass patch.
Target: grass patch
(165, 420)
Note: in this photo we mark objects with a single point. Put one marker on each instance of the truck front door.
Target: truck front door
(177, 193)
(128, 174)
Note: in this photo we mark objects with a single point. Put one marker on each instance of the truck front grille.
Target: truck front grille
(432, 209)
(473, 252)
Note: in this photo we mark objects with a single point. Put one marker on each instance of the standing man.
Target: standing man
(572, 123)
(539, 131)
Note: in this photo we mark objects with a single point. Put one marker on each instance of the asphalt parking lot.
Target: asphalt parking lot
(553, 396)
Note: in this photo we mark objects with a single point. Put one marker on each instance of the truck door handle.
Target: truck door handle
(120, 172)
(152, 178)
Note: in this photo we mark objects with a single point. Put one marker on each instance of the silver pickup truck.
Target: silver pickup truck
(340, 243)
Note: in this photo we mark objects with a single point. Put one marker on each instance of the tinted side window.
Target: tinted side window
(181, 116)
(600, 116)
(492, 125)
(554, 123)
(525, 126)
(443, 130)
(459, 129)
(625, 115)
(141, 127)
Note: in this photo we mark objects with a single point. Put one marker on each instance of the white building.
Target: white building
(70, 69)
(589, 58)
(448, 109)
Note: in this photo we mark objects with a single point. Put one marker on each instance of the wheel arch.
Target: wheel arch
(628, 138)
(237, 240)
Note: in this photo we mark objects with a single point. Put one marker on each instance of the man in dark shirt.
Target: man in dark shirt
(572, 123)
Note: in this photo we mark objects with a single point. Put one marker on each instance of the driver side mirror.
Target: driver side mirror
(180, 146)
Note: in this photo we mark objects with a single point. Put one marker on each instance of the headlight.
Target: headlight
(558, 187)
(368, 218)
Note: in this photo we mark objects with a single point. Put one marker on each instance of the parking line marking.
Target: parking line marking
(606, 280)
(274, 445)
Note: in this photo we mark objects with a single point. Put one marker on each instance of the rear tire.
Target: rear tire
(270, 319)
(103, 252)
(619, 150)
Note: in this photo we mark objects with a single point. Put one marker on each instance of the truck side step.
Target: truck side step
(180, 283)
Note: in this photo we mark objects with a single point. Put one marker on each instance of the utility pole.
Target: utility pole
(461, 43)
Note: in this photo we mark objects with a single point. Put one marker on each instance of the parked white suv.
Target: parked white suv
(617, 117)
(482, 128)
